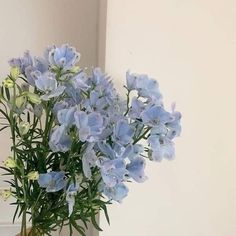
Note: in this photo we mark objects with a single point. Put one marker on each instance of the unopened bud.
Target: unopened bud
(9, 163)
(23, 127)
(5, 194)
(20, 101)
(15, 72)
(75, 69)
(8, 83)
(33, 175)
(34, 98)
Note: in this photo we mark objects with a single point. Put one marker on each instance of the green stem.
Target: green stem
(127, 105)
(12, 124)
(48, 124)
(142, 136)
(23, 224)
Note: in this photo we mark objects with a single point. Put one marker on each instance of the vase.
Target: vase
(29, 233)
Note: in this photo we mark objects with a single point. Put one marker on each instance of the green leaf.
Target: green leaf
(7, 93)
(80, 229)
(95, 224)
(104, 207)
(16, 211)
(28, 117)
(4, 127)
(5, 115)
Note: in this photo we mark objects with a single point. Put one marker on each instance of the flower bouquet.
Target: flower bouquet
(75, 141)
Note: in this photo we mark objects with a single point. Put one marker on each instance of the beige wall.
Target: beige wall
(29, 24)
(190, 47)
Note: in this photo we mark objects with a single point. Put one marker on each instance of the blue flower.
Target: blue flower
(66, 116)
(155, 115)
(33, 72)
(131, 80)
(71, 192)
(90, 126)
(52, 181)
(22, 62)
(80, 81)
(146, 87)
(60, 141)
(116, 193)
(74, 95)
(113, 171)
(107, 150)
(133, 151)
(89, 160)
(137, 107)
(48, 84)
(160, 147)
(63, 57)
(98, 102)
(136, 169)
(59, 106)
(123, 133)
(115, 151)
(174, 127)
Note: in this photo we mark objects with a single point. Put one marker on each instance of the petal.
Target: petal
(44, 180)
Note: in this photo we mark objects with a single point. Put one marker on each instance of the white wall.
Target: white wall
(33, 25)
(190, 47)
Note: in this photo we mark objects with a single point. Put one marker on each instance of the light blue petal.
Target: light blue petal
(116, 193)
(44, 180)
(60, 141)
(136, 169)
(156, 115)
(131, 80)
(123, 133)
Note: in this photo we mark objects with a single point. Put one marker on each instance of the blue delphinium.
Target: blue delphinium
(113, 171)
(66, 116)
(89, 160)
(22, 62)
(37, 69)
(136, 169)
(52, 181)
(123, 132)
(71, 192)
(108, 138)
(155, 115)
(160, 147)
(146, 87)
(60, 141)
(116, 193)
(49, 86)
(89, 126)
(64, 57)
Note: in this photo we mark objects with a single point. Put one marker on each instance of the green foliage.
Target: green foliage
(47, 211)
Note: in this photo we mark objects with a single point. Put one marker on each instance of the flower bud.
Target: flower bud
(34, 98)
(9, 163)
(20, 101)
(15, 72)
(5, 194)
(8, 83)
(33, 175)
(24, 127)
(75, 69)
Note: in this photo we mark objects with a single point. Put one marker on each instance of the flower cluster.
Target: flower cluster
(91, 134)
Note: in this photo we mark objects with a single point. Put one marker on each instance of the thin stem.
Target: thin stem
(23, 224)
(12, 124)
(142, 136)
(127, 105)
